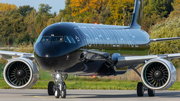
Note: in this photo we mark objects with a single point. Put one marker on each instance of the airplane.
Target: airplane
(66, 48)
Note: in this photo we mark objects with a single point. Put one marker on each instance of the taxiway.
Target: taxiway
(86, 95)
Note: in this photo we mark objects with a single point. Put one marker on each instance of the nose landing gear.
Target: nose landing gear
(59, 87)
(51, 88)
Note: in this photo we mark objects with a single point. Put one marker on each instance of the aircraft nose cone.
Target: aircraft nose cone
(46, 50)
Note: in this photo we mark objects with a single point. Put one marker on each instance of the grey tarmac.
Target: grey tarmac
(86, 95)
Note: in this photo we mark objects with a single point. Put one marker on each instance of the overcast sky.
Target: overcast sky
(55, 4)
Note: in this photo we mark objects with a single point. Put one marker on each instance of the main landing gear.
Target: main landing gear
(142, 88)
(59, 87)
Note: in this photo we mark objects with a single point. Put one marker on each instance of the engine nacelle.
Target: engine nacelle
(21, 73)
(158, 74)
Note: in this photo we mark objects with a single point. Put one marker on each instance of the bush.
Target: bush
(169, 28)
(24, 47)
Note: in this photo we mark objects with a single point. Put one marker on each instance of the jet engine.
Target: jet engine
(158, 74)
(21, 73)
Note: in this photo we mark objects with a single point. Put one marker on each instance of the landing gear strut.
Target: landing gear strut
(59, 87)
(141, 88)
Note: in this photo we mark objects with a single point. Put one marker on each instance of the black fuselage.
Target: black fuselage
(71, 55)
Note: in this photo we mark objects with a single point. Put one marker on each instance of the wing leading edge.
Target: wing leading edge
(130, 60)
(6, 54)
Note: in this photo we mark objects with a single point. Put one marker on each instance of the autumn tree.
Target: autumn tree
(44, 8)
(5, 7)
(121, 10)
(24, 10)
(30, 20)
(155, 11)
(42, 17)
(11, 26)
(79, 6)
(66, 15)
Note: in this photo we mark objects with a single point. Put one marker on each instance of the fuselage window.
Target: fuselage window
(57, 39)
(46, 39)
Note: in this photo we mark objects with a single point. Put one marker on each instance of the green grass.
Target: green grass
(91, 83)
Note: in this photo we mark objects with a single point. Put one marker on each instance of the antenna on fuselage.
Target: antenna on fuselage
(62, 19)
(137, 14)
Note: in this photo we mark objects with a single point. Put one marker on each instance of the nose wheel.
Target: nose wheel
(63, 92)
(51, 88)
(60, 91)
(59, 87)
(57, 93)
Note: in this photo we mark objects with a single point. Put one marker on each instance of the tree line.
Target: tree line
(24, 23)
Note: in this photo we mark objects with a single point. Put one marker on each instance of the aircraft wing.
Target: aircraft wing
(104, 54)
(125, 61)
(8, 54)
(164, 39)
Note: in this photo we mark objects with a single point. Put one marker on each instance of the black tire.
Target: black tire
(151, 93)
(63, 93)
(57, 93)
(51, 88)
(140, 89)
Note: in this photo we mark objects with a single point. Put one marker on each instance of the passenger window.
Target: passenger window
(46, 39)
(57, 39)
(72, 40)
(67, 40)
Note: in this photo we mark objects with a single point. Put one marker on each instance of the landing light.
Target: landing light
(57, 76)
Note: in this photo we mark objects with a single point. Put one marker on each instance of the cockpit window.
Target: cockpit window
(69, 39)
(72, 40)
(46, 39)
(57, 39)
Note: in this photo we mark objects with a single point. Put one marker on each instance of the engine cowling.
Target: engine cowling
(158, 74)
(21, 73)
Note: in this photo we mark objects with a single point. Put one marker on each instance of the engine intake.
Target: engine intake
(21, 73)
(158, 74)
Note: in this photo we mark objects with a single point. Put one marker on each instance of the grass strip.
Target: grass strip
(90, 83)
